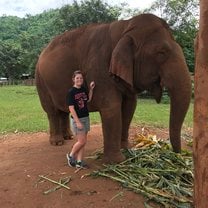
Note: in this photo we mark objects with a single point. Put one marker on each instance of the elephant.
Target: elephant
(124, 58)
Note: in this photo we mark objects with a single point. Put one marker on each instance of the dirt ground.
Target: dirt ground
(24, 157)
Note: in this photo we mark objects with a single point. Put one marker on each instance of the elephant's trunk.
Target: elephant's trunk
(180, 99)
(179, 88)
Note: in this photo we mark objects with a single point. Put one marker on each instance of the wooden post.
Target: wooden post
(200, 133)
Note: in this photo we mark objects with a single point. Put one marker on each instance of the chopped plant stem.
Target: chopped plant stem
(56, 182)
(62, 181)
(117, 195)
(157, 173)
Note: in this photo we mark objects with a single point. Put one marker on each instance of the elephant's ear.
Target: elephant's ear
(122, 60)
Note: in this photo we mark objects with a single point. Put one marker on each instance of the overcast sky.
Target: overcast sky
(22, 7)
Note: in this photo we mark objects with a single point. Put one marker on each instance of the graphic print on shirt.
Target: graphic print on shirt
(80, 99)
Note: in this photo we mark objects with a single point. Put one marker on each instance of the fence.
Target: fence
(27, 82)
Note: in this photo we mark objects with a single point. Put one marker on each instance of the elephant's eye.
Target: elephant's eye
(161, 56)
(162, 52)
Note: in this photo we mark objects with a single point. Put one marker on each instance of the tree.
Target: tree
(27, 36)
(88, 11)
(9, 27)
(38, 31)
(178, 13)
(10, 59)
(201, 112)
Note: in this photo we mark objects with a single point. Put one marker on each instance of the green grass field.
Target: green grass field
(20, 111)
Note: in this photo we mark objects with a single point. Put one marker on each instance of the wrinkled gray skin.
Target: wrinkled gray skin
(124, 58)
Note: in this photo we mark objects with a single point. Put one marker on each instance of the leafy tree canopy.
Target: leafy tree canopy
(22, 39)
(10, 60)
(94, 11)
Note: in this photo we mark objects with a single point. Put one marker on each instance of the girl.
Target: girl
(77, 101)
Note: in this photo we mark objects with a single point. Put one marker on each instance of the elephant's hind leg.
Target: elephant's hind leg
(56, 137)
(65, 126)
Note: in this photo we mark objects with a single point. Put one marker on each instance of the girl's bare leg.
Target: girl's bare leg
(78, 148)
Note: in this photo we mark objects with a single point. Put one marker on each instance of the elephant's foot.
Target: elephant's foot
(68, 137)
(177, 149)
(56, 140)
(113, 157)
(176, 146)
(125, 145)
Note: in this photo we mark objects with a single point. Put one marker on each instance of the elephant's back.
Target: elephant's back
(74, 37)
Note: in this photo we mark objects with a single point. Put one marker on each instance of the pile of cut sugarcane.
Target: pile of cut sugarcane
(155, 171)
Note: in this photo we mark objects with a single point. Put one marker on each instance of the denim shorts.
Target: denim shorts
(86, 126)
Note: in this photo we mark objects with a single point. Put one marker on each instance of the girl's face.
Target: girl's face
(78, 80)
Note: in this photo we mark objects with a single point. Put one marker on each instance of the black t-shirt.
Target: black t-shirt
(78, 97)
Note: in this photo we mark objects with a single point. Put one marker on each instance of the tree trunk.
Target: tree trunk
(201, 112)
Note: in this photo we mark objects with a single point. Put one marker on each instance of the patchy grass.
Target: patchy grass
(21, 111)
(148, 112)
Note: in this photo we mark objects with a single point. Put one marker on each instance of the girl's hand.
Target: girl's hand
(92, 85)
(79, 125)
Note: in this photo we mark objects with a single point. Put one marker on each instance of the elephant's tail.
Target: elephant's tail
(37, 75)
(38, 80)
(45, 98)
(39, 84)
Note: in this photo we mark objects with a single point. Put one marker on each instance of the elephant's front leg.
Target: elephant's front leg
(112, 127)
(128, 108)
